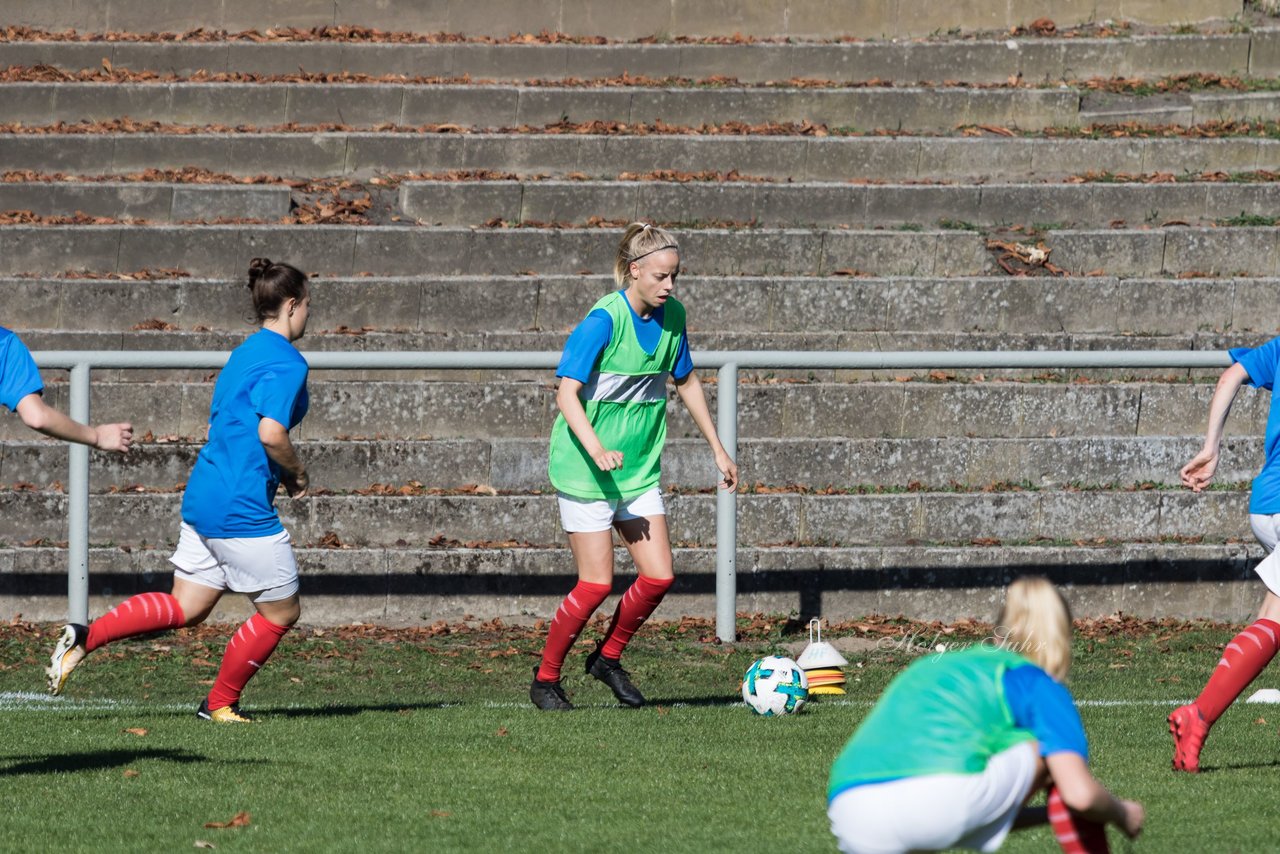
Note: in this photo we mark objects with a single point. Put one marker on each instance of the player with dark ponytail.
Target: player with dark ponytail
(231, 537)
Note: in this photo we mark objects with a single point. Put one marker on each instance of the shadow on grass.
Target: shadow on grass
(56, 763)
(345, 709)
(717, 702)
(1238, 766)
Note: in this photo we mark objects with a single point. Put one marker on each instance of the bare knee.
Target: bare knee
(285, 612)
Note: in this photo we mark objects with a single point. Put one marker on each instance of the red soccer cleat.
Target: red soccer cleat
(1189, 729)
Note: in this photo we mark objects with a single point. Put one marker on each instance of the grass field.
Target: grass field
(383, 740)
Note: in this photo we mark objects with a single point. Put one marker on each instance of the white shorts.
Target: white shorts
(585, 515)
(263, 567)
(937, 811)
(1267, 530)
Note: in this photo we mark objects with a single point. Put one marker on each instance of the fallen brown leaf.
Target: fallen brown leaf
(240, 819)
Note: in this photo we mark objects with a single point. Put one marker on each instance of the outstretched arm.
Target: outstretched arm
(275, 440)
(695, 400)
(1197, 473)
(43, 418)
(1083, 794)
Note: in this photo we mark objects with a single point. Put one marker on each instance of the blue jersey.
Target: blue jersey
(1044, 707)
(586, 343)
(18, 374)
(1260, 363)
(232, 488)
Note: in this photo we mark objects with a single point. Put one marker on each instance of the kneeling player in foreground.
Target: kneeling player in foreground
(231, 536)
(960, 740)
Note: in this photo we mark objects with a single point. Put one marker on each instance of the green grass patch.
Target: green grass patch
(382, 740)
(1245, 220)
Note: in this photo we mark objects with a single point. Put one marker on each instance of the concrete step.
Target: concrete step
(766, 519)
(795, 157)
(1186, 110)
(498, 408)
(400, 250)
(520, 465)
(147, 200)
(509, 106)
(486, 305)
(410, 586)
(1031, 60)
(762, 19)
(824, 204)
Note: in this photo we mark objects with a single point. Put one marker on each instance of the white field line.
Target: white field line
(30, 701)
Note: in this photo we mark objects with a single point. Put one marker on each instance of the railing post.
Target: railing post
(727, 509)
(78, 503)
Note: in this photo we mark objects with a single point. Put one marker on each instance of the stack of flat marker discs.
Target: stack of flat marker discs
(821, 663)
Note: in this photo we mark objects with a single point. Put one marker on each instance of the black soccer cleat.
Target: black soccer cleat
(610, 672)
(548, 696)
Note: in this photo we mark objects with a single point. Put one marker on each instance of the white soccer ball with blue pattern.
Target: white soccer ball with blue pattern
(775, 685)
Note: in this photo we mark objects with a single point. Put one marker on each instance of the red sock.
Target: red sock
(634, 608)
(1244, 658)
(567, 624)
(249, 649)
(146, 612)
(1075, 833)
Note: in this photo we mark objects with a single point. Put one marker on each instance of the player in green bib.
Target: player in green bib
(960, 740)
(606, 455)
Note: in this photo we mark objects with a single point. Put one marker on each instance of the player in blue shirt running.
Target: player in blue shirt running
(961, 739)
(231, 537)
(1252, 650)
(22, 391)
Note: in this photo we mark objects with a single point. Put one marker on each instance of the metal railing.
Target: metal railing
(728, 363)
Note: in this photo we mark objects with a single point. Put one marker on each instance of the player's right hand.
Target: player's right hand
(114, 437)
(1197, 473)
(608, 460)
(296, 485)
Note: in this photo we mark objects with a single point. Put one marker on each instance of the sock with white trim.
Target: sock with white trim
(1245, 657)
(248, 650)
(570, 618)
(138, 615)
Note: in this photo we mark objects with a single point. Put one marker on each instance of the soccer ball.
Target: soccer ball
(775, 685)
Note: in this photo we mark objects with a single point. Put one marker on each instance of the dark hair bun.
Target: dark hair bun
(257, 267)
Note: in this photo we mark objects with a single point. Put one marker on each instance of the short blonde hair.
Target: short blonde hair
(640, 240)
(1036, 622)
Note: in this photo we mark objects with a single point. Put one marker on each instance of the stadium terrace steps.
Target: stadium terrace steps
(1028, 60)
(342, 250)
(761, 19)
(828, 194)
(510, 106)
(764, 519)
(520, 465)
(493, 408)
(918, 109)
(795, 157)
(518, 306)
(406, 585)
(153, 201)
(826, 204)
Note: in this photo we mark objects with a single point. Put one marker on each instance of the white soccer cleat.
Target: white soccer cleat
(67, 655)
